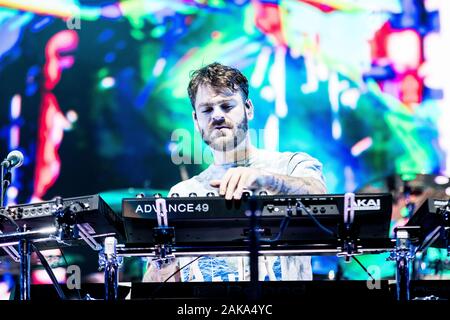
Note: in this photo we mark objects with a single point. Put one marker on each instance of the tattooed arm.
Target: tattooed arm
(293, 185)
(236, 180)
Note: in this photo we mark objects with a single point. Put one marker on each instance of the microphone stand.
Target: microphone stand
(6, 181)
(24, 243)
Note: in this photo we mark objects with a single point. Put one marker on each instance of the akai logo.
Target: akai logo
(440, 203)
(367, 204)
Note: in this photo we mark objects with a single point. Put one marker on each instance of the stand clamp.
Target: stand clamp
(347, 234)
(163, 234)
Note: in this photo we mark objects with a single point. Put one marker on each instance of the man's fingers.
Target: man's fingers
(240, 187)
(234, 180)
(224, 182)
(238, 193)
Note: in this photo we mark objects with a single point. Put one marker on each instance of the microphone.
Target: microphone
(13, 160)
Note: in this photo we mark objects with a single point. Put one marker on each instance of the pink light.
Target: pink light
(14, 136)
(268, 20)
(4, 291)
(16, 105)
(41, 276)
(52, 121)
(411, 89)
(12, 194)
(186, 57)
(216, 34)
(327, 8)
(61, 43)
(66, 62)
(112, 11)
(361, 146)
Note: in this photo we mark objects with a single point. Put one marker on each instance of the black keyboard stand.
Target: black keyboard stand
(25, 239)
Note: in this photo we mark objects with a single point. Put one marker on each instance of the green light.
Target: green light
(158, 31)
(408, 176)
(404, 212)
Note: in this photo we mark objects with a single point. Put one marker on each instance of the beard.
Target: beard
(225, 140)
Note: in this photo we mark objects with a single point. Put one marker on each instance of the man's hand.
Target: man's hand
(236, 180)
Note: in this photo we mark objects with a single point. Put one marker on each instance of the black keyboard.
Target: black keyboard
(92, 212)
(216, 221)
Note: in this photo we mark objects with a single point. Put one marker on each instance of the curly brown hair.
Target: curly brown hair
(220, 78)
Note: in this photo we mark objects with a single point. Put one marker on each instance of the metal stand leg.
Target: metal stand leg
(254, 213)
(254, 272)
(111, 282)
(403, 256)
(402, 276)
(110, 263)
(25, 259)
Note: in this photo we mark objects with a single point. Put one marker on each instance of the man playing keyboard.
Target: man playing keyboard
(221, 114)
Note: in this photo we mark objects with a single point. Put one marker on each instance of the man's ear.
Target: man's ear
(249, 109)
(194, 118)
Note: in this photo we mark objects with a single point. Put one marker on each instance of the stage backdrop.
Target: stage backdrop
(94, 92)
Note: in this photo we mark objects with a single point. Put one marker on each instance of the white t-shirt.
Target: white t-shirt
(210, 268)
(297, 164)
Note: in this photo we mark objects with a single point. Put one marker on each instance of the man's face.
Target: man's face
(221, 117)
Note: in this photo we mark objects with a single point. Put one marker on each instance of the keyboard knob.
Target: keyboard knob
(192, 194)
(262, 193)
(157, 195)
(175, 195)
(210, 194)
(19, 214)
(140, 195)
(246, 194)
